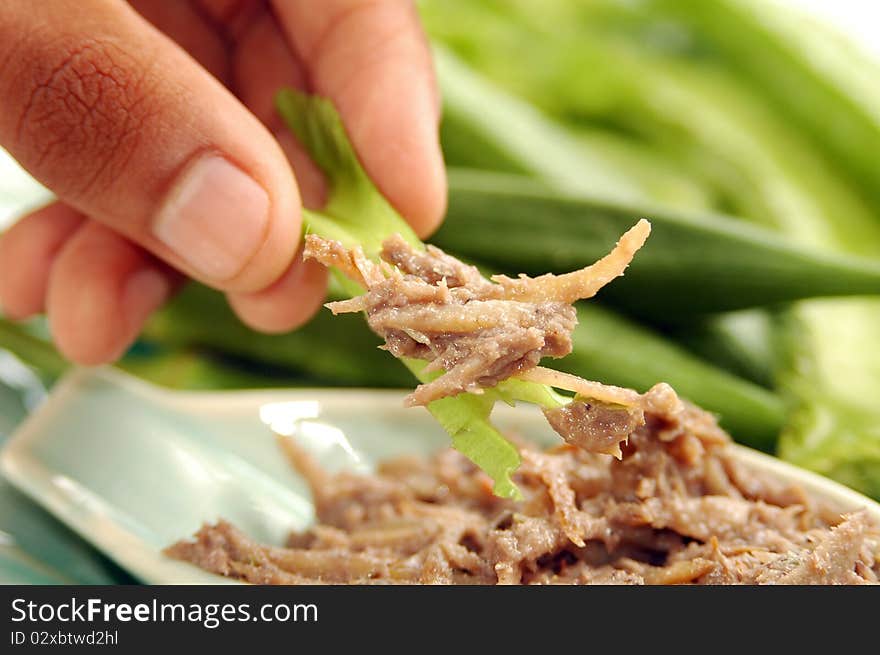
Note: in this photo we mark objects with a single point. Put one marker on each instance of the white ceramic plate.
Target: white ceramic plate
(133, 468)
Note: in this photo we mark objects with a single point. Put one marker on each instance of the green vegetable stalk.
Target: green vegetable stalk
(356, 214)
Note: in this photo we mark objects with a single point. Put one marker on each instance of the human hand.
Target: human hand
(154, 124)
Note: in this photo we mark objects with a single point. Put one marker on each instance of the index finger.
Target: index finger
(371, 58)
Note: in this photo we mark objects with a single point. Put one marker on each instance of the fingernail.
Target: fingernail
(214, 218)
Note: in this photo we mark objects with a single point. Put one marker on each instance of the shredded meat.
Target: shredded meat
(673, 508)
(428, 305)
(676, 509)
(595, 426)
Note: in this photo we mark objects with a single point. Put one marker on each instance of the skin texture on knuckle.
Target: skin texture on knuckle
(81, 109)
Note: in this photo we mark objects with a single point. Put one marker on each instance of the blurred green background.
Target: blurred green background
(748, 132)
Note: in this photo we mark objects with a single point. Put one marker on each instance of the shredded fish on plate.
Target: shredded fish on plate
(674, 507)
(679, 508)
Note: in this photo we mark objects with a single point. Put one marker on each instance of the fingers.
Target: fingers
(128, 129)
(262, 64)
(27, 252)
(192, 31)
(102, 288)
(230, 17)
(372, 59)
(97, 287)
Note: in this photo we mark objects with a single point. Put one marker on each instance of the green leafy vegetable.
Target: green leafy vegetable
(357, 214)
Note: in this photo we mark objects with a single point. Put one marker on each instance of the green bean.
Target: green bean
(692, 263)
(742, 342)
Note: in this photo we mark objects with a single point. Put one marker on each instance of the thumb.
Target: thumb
(123, 125)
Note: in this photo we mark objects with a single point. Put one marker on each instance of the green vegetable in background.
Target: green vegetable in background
(692, 264)
(599, 68)
(811, 73)
(706, 121)
(816, 80)
(831, 371)
(742, 342)
(328, 350)
(484, 127)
